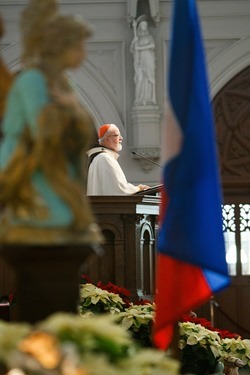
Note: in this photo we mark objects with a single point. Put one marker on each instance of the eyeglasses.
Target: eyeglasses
(115, 135)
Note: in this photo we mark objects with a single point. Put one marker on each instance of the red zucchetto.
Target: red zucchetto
(103, 129)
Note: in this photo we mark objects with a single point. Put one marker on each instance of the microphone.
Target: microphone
(144, 157)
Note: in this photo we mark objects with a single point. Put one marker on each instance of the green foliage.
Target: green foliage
(198, 360)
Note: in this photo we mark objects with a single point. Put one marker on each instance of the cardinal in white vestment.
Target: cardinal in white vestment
(105, 176)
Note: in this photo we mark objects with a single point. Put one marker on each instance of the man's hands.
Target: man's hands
(143, 187)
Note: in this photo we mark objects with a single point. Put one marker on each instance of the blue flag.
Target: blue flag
(192, 264)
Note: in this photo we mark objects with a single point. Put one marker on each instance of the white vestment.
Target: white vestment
(105, 176)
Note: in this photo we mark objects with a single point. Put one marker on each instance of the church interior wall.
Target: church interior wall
(105, 82)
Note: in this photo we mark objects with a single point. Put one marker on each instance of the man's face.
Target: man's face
(114, 139)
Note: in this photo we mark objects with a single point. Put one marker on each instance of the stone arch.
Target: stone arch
(228, 63)
(94, 94)
(93, 90)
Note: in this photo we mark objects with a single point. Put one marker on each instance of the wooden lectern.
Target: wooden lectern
(130, 226)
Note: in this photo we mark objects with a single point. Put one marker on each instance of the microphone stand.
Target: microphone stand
(144, 157)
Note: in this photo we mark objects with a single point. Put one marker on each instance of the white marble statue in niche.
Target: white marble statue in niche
(142, 48)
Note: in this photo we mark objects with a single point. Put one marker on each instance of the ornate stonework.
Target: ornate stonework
(137, 7)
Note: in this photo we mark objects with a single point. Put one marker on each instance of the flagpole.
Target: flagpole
(213, 303)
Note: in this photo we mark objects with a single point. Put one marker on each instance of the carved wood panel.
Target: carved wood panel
(232, 116)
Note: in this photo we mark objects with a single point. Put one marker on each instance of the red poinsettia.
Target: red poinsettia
(112, 288)
(207, 324)
(142, 302)
(85, 279)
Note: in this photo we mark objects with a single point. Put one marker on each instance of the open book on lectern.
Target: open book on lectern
(150, 191)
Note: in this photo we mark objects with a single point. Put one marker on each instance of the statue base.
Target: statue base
(46, 278)
(146, 127)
